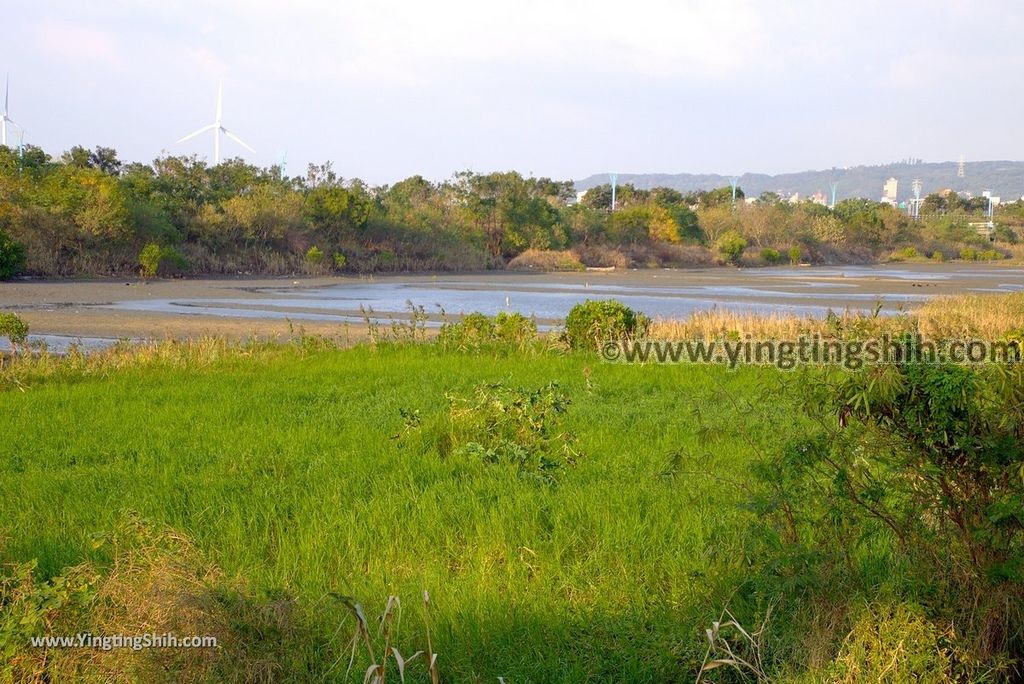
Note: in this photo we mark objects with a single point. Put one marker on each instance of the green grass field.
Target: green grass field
(283, 469)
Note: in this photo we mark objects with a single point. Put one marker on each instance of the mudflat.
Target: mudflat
(274, 307)
(83, 308)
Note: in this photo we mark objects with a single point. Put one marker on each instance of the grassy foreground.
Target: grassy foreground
(282, 468)
(571, 520)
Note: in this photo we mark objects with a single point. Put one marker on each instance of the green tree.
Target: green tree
(335, 212)
(264, 216)
(105, 159)
(643, 223)
(12, 256)
(720, 197)
(77, 156)
(510, 213)
(626, 195)
(731, 245)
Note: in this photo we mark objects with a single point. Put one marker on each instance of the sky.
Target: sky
(386, 89)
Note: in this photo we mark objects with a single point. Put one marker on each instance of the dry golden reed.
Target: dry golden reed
(979, 316)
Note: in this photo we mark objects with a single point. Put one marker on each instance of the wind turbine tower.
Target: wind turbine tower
(614, 178)
(734, 182)
(4, 118)
(217, 127)
(832, 186)
(961, 168)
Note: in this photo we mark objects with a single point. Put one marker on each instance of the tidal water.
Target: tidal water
(664, 293)
(548, 297)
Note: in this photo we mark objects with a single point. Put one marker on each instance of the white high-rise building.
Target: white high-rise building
(889, 191)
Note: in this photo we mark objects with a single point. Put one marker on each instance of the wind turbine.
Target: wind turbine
(217, 127)
(4, 119)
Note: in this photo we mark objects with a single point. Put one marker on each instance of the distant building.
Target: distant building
(794, 198)
(889, 191)
(819, 198)
(579, 196)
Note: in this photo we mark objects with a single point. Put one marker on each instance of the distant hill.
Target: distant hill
(1004, 178)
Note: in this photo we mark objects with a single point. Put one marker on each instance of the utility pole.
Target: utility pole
(614, 178)
(915, 204)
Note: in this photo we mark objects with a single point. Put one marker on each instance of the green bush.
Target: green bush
(894, 643)
(339, 260)
(592, 322)
(12, 256)
(938, 256)
(514, 328)
(731, 245)
(156, 260)
(149, 260)
(924, 464)
(13, 328)
(513, 427)
(29, 606)
(795, 255)
(1004, 233)
(971, 254)
(771, 256)
(314, 256)
(477, 331)
(904, 254)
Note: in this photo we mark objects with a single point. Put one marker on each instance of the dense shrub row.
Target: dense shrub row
(90, 213)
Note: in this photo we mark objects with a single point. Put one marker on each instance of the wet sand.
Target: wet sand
(116, 308)
(76, 308)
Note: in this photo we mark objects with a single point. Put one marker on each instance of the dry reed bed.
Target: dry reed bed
(961, 316)
(19, 370)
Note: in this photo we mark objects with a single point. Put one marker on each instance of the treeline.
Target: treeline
(88, 213)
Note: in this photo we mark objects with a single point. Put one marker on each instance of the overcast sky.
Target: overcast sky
(387, 89)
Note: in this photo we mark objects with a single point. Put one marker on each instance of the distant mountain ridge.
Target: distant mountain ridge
(1005, 179)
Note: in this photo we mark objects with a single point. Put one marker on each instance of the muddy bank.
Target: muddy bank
(277, 307)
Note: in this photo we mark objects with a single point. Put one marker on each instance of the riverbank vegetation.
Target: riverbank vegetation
(508, 506)
(88, 213)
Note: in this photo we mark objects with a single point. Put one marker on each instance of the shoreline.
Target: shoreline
(81, 307)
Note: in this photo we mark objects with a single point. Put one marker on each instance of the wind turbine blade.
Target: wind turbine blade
(237, 139)
(202, 130)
